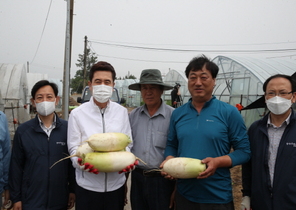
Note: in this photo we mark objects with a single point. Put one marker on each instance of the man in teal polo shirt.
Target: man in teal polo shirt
(207, 129)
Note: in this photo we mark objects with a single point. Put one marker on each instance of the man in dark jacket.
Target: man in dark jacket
(269, 177)
(38, 144)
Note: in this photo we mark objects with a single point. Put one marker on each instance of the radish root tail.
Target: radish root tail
(141, 161)
(62, 160)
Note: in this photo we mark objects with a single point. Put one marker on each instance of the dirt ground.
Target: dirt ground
(236, 186)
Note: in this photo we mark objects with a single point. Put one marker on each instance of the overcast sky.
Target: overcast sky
(134, 35)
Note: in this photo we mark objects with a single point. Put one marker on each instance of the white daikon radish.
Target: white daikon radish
(83, 150)
(184, 168)
(109, 161)
(108, 142)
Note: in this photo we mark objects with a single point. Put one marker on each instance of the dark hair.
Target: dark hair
(101, 66)
(197, 63)
(279, 76)
(43, 83)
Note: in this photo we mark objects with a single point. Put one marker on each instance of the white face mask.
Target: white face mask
(45, 108)
(278, 105)
(102, 93)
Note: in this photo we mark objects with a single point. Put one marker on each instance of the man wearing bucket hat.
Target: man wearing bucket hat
(150, 126)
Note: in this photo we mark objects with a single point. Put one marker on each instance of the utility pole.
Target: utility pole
(28, 70)
(67, 59)
(85, 57)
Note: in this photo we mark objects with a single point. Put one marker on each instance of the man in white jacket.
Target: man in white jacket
(98, 190)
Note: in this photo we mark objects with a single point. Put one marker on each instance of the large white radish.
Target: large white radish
(108, 142)
(184, 168)
(110, 161)
(81, 151)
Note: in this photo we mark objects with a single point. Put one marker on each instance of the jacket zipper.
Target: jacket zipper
(103, 121)
(48, 145)
(48, 148)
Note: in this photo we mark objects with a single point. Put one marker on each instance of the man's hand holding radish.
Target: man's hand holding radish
(129, 168)
(90, 168)
(87, 167)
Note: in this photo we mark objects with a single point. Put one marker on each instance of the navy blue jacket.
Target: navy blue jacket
(31, 179)
(256, 178)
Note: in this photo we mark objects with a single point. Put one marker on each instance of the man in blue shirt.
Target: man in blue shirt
(207, 129)
(4, 158)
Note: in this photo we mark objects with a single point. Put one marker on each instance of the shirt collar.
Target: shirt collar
(53, 123)
(269, 123)
(206, 103)
(160, 111)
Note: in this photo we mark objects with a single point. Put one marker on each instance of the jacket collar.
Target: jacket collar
(292, 118)
(37, 122)
(97, 108)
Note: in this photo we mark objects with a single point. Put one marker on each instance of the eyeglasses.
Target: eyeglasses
(281, 94)
(40, 99)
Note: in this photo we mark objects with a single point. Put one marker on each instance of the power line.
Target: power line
(149, 48)
(196, 50)
(42, 32)
(131, 59)
(195, 45)
(142, 60)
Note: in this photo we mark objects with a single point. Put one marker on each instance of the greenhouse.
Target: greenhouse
(118, 86)
(14, 94)
(172, 78)
(59, 83)
(132, 97)
(240, 81)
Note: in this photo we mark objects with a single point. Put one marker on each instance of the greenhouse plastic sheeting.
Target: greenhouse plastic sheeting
(118, 86)
(240, 80)
(132, 97)
(14, 92)
(173, 77)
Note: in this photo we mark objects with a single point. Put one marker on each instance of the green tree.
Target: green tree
(77, 82)
(130, 76)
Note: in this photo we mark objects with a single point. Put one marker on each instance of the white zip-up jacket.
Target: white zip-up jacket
(88, 119)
